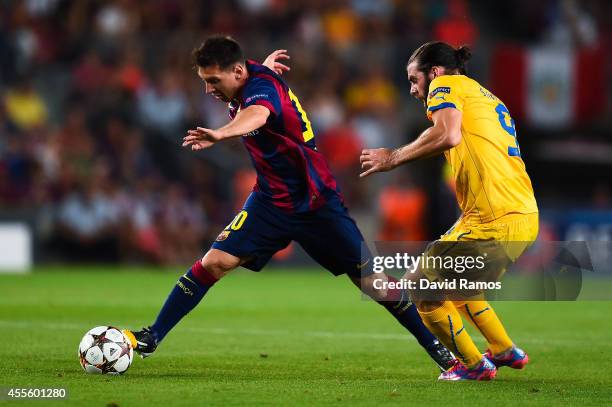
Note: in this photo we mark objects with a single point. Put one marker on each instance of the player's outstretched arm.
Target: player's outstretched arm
(443, 135)
(246, 121)
(271, 61)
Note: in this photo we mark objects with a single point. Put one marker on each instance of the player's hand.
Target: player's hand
(272, 61)
(376, 160)
(201, 138)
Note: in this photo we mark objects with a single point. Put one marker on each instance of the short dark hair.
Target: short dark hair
(438, 53)
(219, 50)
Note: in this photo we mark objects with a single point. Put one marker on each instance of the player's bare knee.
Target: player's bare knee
(219, 263)
(373, 286)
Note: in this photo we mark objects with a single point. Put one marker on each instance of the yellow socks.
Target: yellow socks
(483, 317)
(445, 323)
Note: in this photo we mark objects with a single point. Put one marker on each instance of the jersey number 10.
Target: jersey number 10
(504, 116)
(307, 132)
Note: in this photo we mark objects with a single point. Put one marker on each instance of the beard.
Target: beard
(425, 91)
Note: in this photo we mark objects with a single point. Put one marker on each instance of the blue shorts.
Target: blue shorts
(329, 235)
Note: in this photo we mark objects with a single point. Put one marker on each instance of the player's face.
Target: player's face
(419, 82)
(222, 84)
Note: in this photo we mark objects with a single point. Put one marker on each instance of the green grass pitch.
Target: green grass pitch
(281, 337)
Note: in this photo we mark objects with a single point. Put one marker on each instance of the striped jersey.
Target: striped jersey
(291, 173)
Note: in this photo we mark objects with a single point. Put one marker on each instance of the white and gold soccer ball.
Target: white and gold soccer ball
(105, 350)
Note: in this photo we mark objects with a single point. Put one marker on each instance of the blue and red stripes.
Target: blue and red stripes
(291, 173)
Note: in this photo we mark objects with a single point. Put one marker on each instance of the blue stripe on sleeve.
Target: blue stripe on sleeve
(442, 106)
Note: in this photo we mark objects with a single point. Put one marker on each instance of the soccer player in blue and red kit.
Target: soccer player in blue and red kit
(296, 197)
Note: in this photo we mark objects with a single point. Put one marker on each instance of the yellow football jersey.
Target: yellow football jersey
(490, 176)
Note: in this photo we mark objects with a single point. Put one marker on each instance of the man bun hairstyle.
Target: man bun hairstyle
(463, 55)
(219, 50)
(438, 53)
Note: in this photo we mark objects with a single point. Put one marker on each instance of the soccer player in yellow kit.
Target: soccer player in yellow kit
(474, 131)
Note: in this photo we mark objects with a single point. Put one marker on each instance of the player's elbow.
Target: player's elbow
(262, 119)
(253, 117)
(260, 115)
(452, 139)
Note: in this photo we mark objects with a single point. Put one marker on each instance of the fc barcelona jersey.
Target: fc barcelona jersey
(291, 173)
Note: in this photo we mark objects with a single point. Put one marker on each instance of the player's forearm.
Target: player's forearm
(433, 141)
(246, 121)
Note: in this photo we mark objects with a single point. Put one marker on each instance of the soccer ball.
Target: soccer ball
(105, 350)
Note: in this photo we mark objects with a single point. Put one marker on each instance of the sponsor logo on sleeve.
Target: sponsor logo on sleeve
(257, 96)
(441, 89)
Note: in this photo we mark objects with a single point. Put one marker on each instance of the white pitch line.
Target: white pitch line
(272, 332)
(215, 331)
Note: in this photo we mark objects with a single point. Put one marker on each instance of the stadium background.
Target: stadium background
(96, 96)
(94, 99)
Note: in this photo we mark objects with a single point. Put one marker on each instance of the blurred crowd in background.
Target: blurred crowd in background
(96, 96)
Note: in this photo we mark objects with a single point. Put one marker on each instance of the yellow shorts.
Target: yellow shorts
(511, 228)
(495, 244)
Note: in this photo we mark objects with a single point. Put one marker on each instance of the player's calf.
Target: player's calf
(185, 296)
(397, 302)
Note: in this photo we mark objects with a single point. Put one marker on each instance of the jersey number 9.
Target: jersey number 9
(504, 117)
